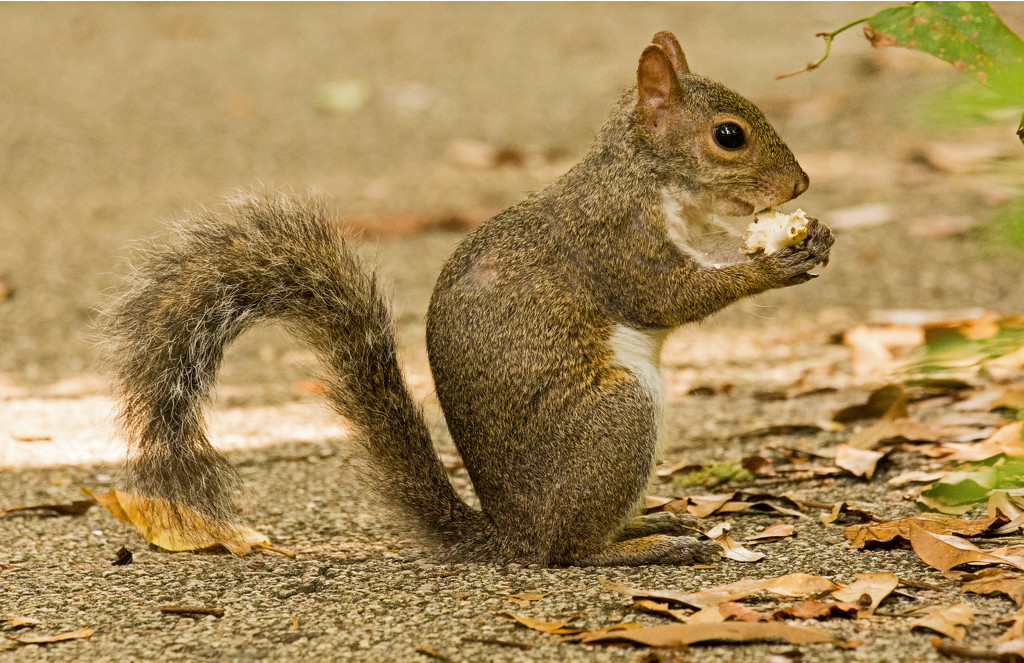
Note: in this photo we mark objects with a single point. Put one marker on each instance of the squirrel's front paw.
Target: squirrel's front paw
(793, 264)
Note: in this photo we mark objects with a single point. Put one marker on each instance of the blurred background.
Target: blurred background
(420, 120)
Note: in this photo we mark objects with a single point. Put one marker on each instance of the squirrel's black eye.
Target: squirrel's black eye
(730, 135)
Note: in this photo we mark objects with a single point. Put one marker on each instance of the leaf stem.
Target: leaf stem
(828, 36)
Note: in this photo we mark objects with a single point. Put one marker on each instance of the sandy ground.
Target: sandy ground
(114, 118)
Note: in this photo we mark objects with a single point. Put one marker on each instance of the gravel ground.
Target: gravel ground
(117, 116)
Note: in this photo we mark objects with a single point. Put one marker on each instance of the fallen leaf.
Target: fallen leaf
(558, 628)
(703, 506)
(915, 476)
(944, 551)
(1000, 504)
(75, 508)
(16, 622)
(949, 620)
(47, 639)
(1007, 440)
(1011, 399)
(859, 462)
(1015, 632)
(709, 615)
(793, 584)
(842, 509)
(860, 535)
(659, 608)
(1013, 359)
(815, 609)
(730, 548)
(611, 628)
(905, 429)
(773, 532)
(730, 610)
(888, 402)
(876, 586)
(872, 346)
(991, 581)
(677, 635)
(654, 502)
(178, 528)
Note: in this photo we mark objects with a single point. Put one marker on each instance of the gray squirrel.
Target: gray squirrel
(544, 332)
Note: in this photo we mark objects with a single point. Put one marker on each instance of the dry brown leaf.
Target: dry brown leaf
(703, 506)
(902, 429)
(859, 535)
(1000, 504)
(47, 639)
(793, 584)
(872, 347)
(991, 581)
(1012, 398)
(677, 635)
(1014, 359)
(1015, 632)
(655, 502)
(888, 402)
(844, 509)
(1012, 646)
(876, 586)
(611, 628)
(859, 462)
(915, 476)
(178, 528)
(659, 608)
(774, 532)
(730, 610)
(949, 620)
(1007, 440)
(75, 508)
(815, 609)
(730, 548)
(16, 622)
(557, 628)
(943, 551)
(708, 615)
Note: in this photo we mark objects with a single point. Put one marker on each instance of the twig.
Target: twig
(829, 36)
(191, 610)
(917, 584)
(950, 648)
(427, 651)
(501, 643)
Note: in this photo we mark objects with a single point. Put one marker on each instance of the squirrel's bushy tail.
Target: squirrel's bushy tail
(268, 256)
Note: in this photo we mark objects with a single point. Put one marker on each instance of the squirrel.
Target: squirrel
(544, 332)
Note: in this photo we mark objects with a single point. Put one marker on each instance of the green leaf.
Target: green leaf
(968, 35)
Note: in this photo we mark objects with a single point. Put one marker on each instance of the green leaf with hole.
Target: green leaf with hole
(968, 35)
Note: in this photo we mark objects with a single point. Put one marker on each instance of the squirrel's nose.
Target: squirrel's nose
(801, 184)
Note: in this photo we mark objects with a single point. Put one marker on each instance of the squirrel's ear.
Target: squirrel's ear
(656, 84)
(673, 50)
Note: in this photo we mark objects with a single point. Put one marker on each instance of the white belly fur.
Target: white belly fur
(639, 352)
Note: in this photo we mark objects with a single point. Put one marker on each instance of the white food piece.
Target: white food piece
(773, 230)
